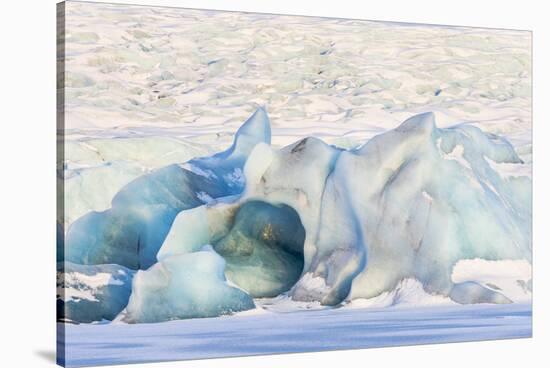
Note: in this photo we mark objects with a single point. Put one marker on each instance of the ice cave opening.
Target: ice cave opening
(264, 248)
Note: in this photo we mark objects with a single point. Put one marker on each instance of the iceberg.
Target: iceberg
(318, 223)
(470, 292)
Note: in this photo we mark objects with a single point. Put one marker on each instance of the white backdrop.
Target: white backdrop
(27, 151)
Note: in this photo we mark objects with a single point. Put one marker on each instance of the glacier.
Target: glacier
(315, 222)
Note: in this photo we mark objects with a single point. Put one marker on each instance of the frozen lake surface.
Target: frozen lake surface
(297, 331)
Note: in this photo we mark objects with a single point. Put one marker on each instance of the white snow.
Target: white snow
(329, 76)
(508, 277)
(408, 293)
(256, 332)
(197, 170)
(457, 154)
(204, 197)
(235, 178)
(510, 170)
(92, 284)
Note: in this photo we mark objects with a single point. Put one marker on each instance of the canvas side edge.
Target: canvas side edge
(60, 186)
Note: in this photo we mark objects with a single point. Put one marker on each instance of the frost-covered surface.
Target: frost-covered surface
(300, 331)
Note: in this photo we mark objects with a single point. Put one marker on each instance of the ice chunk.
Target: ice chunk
(255, 130)
(92, 293)
(262, 243)
(470, 292)
(184, 286)
(188, 233)
(229, 163)
(132, 231)
(469, 211)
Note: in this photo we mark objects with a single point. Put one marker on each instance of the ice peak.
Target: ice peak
(256, 129)
(424, 122)
(257, 125)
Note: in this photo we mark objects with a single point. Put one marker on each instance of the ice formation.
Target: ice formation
(93, 293)
(317, 222)
(96, 168)
(131, 231)
(184, 286)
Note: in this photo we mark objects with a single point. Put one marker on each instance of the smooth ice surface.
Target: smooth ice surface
(301, 331)
(264, 249)
(131, 232)
(184, 286)
(188, 233)
(409, 203)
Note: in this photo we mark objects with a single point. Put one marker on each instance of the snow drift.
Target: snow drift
(317, 222)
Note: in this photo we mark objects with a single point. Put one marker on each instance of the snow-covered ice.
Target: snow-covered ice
(91, 293)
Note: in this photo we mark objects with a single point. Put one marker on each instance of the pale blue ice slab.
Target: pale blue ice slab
(299, 331)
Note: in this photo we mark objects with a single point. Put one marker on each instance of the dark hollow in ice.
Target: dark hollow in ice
(264, 249)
